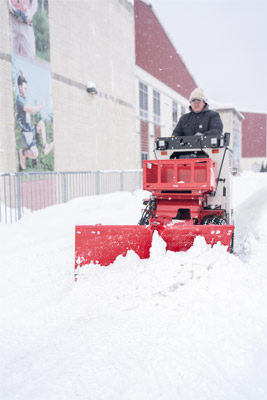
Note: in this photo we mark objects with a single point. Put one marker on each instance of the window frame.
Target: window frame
(156, 106)
(143, 100)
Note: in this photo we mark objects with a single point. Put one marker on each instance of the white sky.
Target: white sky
(223, 43)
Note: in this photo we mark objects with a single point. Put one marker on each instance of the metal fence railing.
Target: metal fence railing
(36, 190)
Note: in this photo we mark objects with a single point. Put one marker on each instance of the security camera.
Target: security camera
(91, 88)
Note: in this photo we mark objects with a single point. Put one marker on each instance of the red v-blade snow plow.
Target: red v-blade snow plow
(190, 185)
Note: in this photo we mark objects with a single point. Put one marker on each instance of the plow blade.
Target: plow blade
(181, 238)
(102, 244)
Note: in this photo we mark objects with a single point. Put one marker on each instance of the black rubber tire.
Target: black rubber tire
(213, 219)
(231, 250)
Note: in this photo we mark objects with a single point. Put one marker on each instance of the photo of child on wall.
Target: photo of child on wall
(33, 115)
(29, 29)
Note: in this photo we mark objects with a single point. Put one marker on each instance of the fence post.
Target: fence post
(65, 188)
(97, 182)
(121, 181)
(19, 196)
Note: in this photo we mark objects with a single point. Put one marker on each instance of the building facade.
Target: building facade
(105, 80)
(163, 83)
(232, 121)
(88, 41)
(254, 142)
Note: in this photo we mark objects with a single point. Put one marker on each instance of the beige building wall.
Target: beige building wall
(94, 43)
(232, 123)
(89, 41)
(229, 117)
(227, 120)
(7, 134)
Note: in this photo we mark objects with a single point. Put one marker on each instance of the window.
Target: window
(143, 102)
(182, 110)
(174, 114)
(156, 106)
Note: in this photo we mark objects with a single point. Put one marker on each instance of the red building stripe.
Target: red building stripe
(254, 135)
(156, 54)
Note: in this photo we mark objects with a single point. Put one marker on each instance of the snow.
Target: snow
(187, 326)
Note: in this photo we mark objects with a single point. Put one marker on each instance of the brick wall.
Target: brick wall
(144, 137)
(156, 54)
(254, 135)
(156, 132)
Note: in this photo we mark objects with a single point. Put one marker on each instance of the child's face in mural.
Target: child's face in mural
(23, 89)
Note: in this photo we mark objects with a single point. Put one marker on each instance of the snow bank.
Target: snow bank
(189, 325)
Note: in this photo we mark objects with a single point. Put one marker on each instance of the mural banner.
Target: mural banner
(32, 86)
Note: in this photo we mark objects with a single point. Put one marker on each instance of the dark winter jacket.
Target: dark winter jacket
(207, 122)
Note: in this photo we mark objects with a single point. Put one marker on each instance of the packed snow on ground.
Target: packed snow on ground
(187, 326)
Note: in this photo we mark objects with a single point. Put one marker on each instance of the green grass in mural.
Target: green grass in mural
(41, 31)
(43, 163)
(43, 55)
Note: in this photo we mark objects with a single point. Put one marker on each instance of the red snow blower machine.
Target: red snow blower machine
(190, 185)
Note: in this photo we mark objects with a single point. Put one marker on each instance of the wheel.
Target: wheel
(213, 219)
(231, 250)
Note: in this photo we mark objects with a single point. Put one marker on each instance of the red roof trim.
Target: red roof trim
(156, 54)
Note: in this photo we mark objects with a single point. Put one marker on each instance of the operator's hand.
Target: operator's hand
(198, 134)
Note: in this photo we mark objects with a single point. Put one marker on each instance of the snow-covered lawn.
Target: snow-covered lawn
(187, 326)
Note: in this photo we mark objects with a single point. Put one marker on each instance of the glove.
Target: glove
(198, 134)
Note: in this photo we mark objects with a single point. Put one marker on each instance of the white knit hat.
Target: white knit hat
(198, 94)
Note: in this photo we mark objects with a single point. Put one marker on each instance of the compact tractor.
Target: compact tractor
(191, 195)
